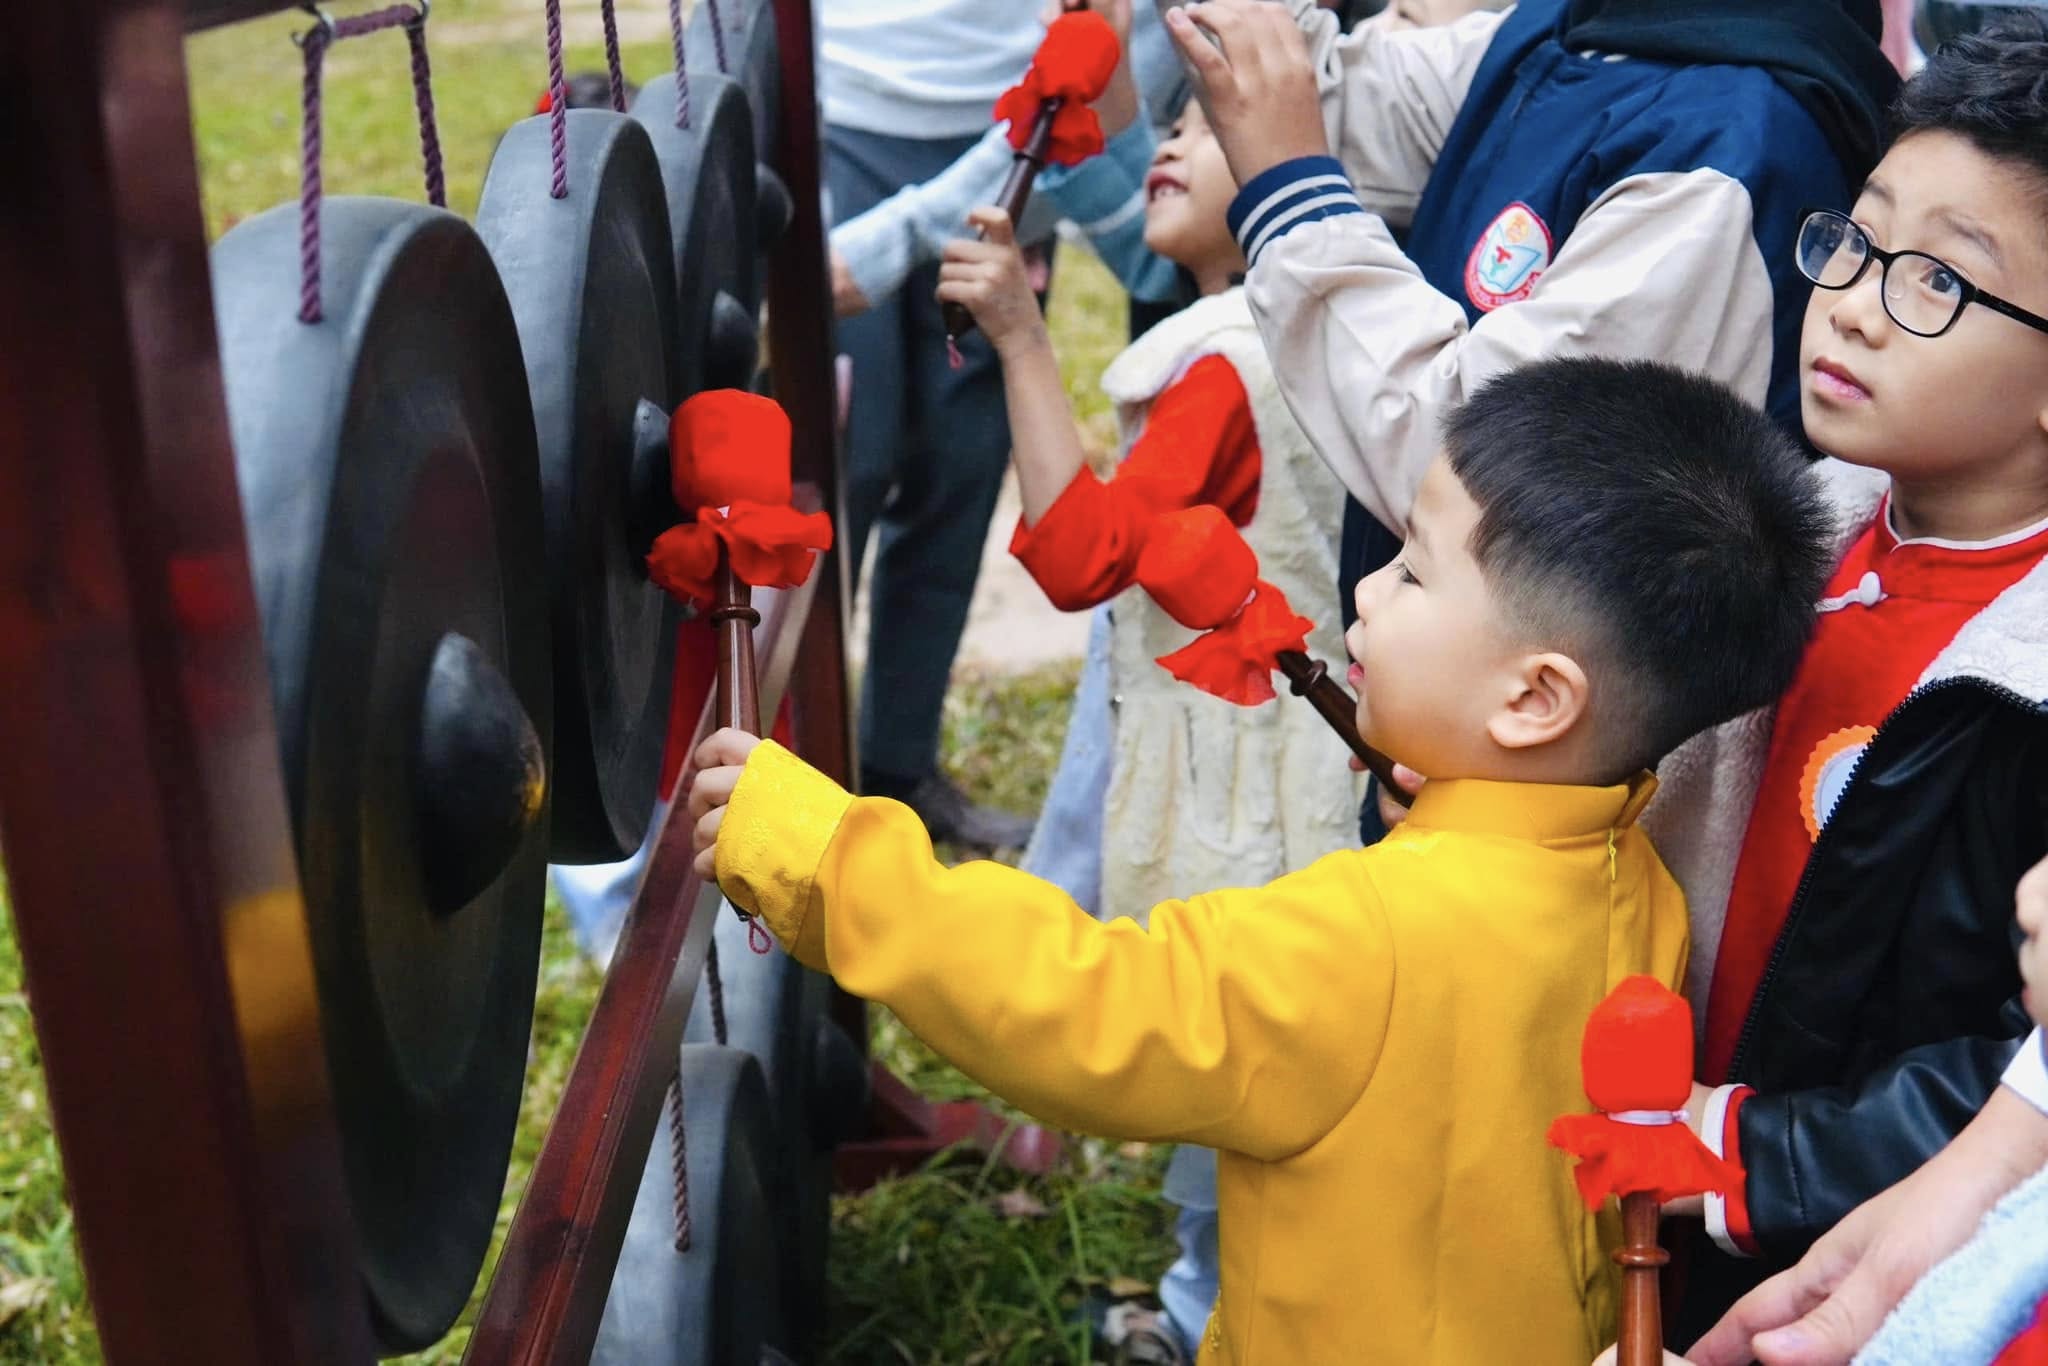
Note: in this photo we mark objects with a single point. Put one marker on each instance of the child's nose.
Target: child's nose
(1859, 309)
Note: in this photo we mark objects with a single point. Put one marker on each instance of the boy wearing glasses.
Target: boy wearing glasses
(1865, 837)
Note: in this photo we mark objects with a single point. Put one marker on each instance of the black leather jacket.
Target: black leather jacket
(1890, 1005)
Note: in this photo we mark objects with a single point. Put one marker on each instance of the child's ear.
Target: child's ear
(1549, 696)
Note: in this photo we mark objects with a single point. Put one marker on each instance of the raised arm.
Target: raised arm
(1370, 356)
(987, 278)
(1219, 1024)
(879, 249)
(1389, 99)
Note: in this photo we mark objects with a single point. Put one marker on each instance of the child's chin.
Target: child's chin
(1162, 232)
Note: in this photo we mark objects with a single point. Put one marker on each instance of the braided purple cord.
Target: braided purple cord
(423, 96)
(315, 43)
(558, 104)
(679, 1160)
(675, 30)
(315, 47)
(611, 55)
(718, 38)
(391, 16)
(716, 985)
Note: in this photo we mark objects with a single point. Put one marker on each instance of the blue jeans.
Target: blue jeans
(598, 895)
(1066, 844)
(1188, 1289)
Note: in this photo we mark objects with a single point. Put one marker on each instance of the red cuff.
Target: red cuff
(1085, 547)
(1739, 1231)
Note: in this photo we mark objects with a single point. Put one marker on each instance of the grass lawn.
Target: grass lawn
(959, 1264)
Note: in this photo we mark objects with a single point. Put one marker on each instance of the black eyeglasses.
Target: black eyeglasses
(1921, 293)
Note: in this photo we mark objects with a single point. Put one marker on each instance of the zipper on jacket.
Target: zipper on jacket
(1752, 1020)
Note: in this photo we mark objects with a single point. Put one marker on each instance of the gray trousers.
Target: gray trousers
(926, 447)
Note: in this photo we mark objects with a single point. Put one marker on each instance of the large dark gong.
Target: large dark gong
(388, 475)
(780, 1012)
(751, 58)
(753, 61)
(719, 1302)
(709, 171)
(592, 285)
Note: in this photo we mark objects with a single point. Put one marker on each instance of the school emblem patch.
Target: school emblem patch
(1828, 770)
(1510, 257)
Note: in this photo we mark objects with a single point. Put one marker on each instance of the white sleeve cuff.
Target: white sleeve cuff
(2028, 1073)
(1713, 1128)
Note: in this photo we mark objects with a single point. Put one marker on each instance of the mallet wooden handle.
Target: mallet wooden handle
(1310, 678)
(1016, 193)
(1642, 1259)
(734, 618)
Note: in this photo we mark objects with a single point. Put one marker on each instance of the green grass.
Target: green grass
(1088, 325)
(952, 1265)
(967, 1263)
(489, 65)
(43, 1312)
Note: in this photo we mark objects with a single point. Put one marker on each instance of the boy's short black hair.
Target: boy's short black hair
(1666, 534)
(1991, 87)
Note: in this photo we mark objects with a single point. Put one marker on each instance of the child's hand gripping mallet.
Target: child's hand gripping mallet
(1202, 574)
(1636, 1062)
(729, 464)
(1049, 116)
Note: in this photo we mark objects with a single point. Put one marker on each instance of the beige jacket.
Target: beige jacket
(1370, 356)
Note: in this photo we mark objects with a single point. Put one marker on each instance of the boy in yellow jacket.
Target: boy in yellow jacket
(1605, 559)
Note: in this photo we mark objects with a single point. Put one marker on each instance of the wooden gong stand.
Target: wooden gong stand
(149, 849)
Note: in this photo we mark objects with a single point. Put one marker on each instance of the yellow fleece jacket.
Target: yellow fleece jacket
(1375, 1044)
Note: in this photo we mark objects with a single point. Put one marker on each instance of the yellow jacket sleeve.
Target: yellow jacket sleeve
(1247, 1019)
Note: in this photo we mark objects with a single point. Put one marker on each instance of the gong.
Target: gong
(709, 171)
(592, 285)
(753, 60)
(817, 1084)
(390, 483)
(717, 1302)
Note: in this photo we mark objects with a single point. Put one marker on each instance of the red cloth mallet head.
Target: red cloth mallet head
(1637, 1051)
(727, 446)
(729, 465)
(1636, 1065)
(1077, 57)
(1073, 66)
(1197, 567)
(1200, 571)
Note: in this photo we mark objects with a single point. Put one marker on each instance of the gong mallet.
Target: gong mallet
(728, 458)
(1070, 71)
(1199, 570)
(1310, 678)
(1636, 1064)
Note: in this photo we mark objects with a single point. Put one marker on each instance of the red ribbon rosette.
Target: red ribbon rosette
(1636, 1060)
(729, 458)
(1201, 573)
(1236, 660)
(1073, 65)
(771, 547)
